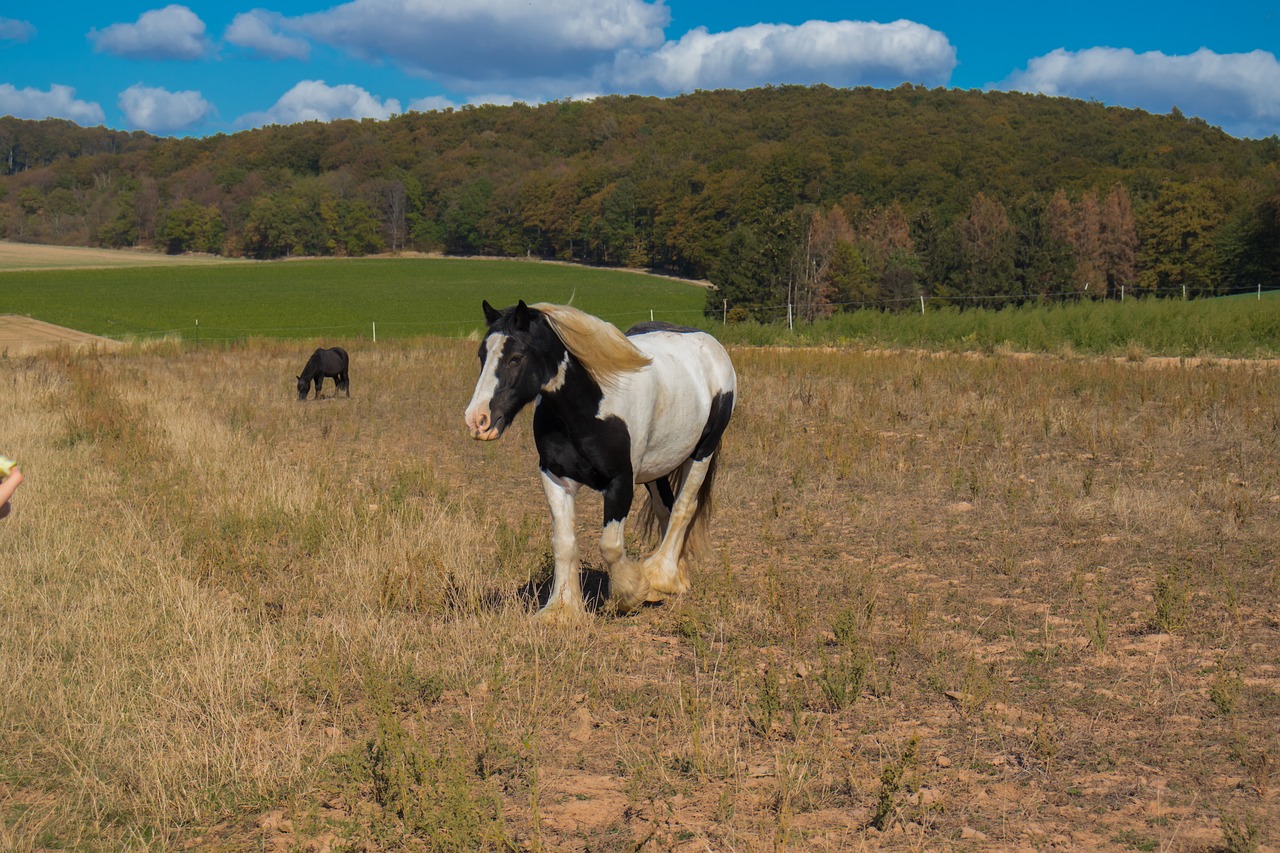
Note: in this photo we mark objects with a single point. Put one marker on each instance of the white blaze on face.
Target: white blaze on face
(479, 419)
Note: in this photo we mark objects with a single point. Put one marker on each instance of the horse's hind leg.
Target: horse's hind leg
(665, 569)
(344, 383)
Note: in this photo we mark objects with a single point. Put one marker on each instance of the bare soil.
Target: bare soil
(25, 335)
(35, 256)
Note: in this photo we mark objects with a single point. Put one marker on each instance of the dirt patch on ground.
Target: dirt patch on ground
(25, 335)
(31, 256)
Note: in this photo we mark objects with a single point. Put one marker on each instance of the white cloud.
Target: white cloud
(58, 102)
(1238, 91)
(174, 32)
(839, 53)
(432, 103)
(11, 30)
(161, 111)
(480, 42)
(313, 100)
(257, 30)
(440, 102)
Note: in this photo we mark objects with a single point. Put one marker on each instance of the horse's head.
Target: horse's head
(519, 356)
(304, 385)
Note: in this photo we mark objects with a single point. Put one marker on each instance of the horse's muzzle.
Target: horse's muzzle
(484, 429)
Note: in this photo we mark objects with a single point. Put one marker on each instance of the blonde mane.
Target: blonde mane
(602, 349)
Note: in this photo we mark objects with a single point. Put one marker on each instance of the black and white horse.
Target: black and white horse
(612, 411)
(325, 362)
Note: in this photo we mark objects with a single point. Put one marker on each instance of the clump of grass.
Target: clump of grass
(768, 705)
(1240, 835)
(425, 788)
(1226, 691)
(1172, 602)
(892, 781)
(844, 675)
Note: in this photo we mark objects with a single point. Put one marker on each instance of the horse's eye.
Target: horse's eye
(516, 358)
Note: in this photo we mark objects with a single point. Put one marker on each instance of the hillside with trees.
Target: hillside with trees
(821, 198)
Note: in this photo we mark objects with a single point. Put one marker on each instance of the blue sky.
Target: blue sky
(218, 66)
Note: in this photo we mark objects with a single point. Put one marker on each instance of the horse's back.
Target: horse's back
(688, 358)
(334, 360)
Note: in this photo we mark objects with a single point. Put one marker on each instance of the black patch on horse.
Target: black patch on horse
(332, 362)
(659, 326)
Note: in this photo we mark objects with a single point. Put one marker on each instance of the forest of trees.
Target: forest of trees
(818, 198)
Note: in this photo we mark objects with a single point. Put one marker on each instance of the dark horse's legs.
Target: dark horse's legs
(343, 382)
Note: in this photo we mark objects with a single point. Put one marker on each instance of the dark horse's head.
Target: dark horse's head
(304, 385)
(520, 357)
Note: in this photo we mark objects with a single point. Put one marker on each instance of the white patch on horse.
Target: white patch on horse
(666, 405)
(557, 382)
(477, 414)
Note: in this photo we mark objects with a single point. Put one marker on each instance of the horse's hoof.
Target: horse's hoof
(631, 602)
(561, 614)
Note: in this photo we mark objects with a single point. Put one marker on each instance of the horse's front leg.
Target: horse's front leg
(565, 601)
(627, 585)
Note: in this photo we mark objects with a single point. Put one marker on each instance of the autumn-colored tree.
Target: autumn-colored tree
(1119, 241)
(887, 248)
(816, 288)
(1086, 236)
(987, 249)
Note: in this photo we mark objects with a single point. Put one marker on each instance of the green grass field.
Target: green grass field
(1233, 327)
(343, 299)
(405, 297)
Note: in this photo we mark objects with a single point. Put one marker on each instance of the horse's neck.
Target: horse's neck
(578, 399)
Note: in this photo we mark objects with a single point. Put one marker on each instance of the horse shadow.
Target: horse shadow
(534, 594)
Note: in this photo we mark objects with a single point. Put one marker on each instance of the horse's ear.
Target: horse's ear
(521, 316)
(491, 315)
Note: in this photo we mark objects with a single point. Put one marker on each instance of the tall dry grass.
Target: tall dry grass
(955, 598)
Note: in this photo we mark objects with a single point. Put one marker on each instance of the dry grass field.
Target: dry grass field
(36, 256)
(958, 602)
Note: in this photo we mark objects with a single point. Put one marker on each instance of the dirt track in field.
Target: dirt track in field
(25, 335)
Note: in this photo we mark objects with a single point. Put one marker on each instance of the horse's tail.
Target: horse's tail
(697, 540)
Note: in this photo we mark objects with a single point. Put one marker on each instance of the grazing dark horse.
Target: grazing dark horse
(325, 362)
(612, 411)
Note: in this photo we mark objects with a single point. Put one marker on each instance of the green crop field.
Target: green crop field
(200, 299)
(404, 297)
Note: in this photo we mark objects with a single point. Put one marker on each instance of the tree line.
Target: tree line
(815, 198)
